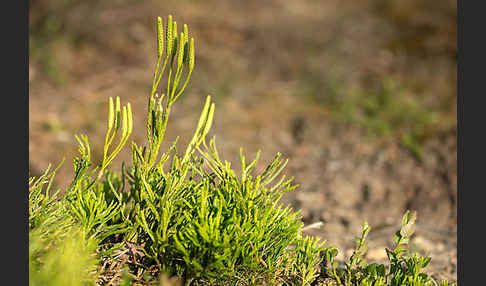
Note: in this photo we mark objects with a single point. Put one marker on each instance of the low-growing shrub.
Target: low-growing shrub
(59, 253)
(188, 213)
(405, 268)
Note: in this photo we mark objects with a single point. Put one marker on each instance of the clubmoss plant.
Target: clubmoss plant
(196, 217)
(404, 268)
(189, 213)
(59, 252)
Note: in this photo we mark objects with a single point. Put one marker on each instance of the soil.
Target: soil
(253, 67)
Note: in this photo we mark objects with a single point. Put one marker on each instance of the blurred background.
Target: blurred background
(360, 96)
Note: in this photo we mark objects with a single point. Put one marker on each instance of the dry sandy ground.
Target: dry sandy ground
(252, 67)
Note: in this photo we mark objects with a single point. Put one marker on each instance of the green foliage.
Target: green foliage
(190, 213)
(387, 111)
(196, 217)
(404, 268)
(59, 254)
(90, 201)
(67, 262)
